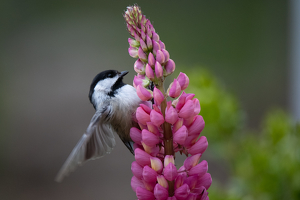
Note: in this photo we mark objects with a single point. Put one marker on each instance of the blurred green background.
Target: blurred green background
(235, 52)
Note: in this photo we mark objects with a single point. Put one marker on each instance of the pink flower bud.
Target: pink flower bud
(143, 93)
(149, 174)
(149, 42)
(197, 126)
(166, 55)
(142, 55)
(137, 37)
(169, 67)
(141, 157)
(136, 182)
(158, 70)
(205, 181)
(199, 147)
(149, 185)
(133, 52)
(183, 80)
(168, 159)
(152, 128)
(180, 135)
(156, 164)
(146, 108)
(143, 45)
(142, 116)
(190, 141)
(143, 35)
(149, 72)
(174, 89)
(160, 192)
(162, 181)
(140, 80)
(179, 180)
(133, 42)
(188, 121)
(179, 103)
(171, 115)
(199, 170)
(149, 138)
(152, 150)
(156, 108)
(197, 106)
(160, 57)
(162, 45)
(177, 125)
(191, 181)
(137, 170)
(151, 59)
(139, 67)
(187, 110)
(143, 28)
(182, 192)
(149, 31)
(170, 172)
(156, 118)
(155, 36)
(158, 96)
(192, 161)
(155, 47)
(135, 135)
(144, 194)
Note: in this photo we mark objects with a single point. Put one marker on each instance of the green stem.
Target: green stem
(168, 136)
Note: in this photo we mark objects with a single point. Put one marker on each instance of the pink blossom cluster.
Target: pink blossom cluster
(165, 127)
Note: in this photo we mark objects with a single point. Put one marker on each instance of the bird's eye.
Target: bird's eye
(109, 75)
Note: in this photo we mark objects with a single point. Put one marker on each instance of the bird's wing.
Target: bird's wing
(97, 141)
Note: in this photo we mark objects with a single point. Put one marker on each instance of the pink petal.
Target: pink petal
(162, 45)
(152, 150)
(141, 157)
(149, 174)
(166, 54)
(152, 128)
(182, 192)
(144, 194)
(192, 196)
(135, 135)
(197, 106)
(191, 181)
(199, 170)
(170, 172)
(171, 115)
(169, 67)
(205, 181)
(142, 116)
(155, 47)
(155, 36)
(146, 108)
(197, 126)
(149, 42)
(158, 69)
(141, 80)
(151, 59)
(168, 159)
(181, 101)
(160, 192)
(187, 110)
(172, 198)
(135, 182)
(156, 108)
(156, 118)
(139, 67)
(149, 138)
(143, 45)
(156, 164)
(158, 96)
(180, 135)
(133, 42)
(149, 72)
(149, 185)
(137, 170)
(133, 52)
(162, 181)
(143, 93)
(179, 180)
(199, 147)
(174, 89)
(177, 125)
(192, 161)
(142, 55)
(190, 141)
(160, 57)
(183, 80)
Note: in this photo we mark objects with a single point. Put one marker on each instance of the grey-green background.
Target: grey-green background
(51, 50)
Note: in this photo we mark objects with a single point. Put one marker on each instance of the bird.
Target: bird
(115, 104)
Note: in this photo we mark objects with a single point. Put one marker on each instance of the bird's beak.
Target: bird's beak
(123, 73)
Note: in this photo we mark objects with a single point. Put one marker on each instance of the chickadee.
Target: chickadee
(115, 104)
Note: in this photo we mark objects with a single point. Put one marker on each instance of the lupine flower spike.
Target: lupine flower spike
(166, 127)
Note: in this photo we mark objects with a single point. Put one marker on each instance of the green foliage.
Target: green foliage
(265, 164)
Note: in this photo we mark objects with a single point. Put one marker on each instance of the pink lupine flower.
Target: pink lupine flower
(164, 127)
(174, 89)
(143, 93)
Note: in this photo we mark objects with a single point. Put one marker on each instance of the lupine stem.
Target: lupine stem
(168, 139)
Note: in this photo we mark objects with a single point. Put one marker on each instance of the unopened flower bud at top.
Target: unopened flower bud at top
(155, 46)
(142, 55)
(143, 45)
(133, 52)
(143, 93)
(160, 57)
(155, 36)
(166, 55)
(139, 67)
(158, 70)
(169, 67)
(149, 72)
(133, 42)
(151, 60)
(158, 96)
(149, 43)
(183, 80)
(174, 89)
(141, 80)
(162, 45)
